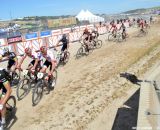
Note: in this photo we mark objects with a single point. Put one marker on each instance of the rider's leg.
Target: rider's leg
(44, 68)
(3, 112)
(86, 44)
(10, 64)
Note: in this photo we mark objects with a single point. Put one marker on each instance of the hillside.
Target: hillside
(142, 10)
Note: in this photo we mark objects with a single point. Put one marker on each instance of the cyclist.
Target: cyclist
(65, 45)
(94, 33)
(123, 27)
(151, 19)
(146, 24)
(6, 92)
(87, 38)
(113, 25)
(36, 59)
(141, 25)
(12, 59)
(50, 61)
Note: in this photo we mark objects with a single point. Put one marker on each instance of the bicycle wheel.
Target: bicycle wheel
(110, 37)
(11, 103)
(37, 93)
(118, 37)
(23, 88)
(79, 52)
(67, 57)
(10, 107)
(53, 80)
(98, 44)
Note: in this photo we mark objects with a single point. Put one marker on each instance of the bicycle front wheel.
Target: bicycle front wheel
(67, 57)
(53, 80)
(11, 108)
(79, 53)
(110, 37)
(98, 44)
(37, 93)
(23, 88)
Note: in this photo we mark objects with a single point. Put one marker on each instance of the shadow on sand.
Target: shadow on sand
(131, 77)
(127, 115)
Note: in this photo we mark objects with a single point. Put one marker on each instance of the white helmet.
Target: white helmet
(6, 50)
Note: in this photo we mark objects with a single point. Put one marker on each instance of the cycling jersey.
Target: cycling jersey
(49, 56)
(4, 78)
(114, 26)
(87, 34)
(11, 55)
(142, 24)
(11, 59)
(35, 55)
(65, 42)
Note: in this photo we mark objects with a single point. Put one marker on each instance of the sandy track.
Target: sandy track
(85, 87)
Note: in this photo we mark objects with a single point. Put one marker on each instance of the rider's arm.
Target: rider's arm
(21, 61)
(111, 28)
(58, 43)
(16, 61)
(53, 66)
(68, 43)
(8, 93)
(35, 64)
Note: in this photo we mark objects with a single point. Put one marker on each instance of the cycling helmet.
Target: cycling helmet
(86, 30)
(64, 36)
(43, 48)
(6, 50)
(28, 50)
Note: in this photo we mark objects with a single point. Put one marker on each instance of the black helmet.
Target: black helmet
(64, 36)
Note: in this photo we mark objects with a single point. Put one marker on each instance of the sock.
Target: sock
(3, 120)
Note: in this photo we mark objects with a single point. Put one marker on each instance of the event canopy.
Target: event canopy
(88, 16)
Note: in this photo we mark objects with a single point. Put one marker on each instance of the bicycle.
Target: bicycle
(97, 43)
(114, 36)
(83, 50)
(41, 84)
(142, 33)
(62, 57)
(25, 85)
(123, 37)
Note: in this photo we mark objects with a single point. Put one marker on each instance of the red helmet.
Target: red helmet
(43, 48)
(86, 30)
(28, 50)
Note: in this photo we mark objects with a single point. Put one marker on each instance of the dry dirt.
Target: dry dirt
(89, 86)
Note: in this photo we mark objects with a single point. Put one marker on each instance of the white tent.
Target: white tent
(86, 15)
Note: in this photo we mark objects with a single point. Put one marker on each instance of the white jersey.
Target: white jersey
(50, 56)
(36, 55)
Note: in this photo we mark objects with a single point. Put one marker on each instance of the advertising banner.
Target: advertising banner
(14, 39)
(45, 33)
(31, 36)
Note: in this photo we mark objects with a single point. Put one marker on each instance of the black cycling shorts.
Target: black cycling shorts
(48, 64)
(10, 64)
(4, 77)
(64, 47)
(32, 62)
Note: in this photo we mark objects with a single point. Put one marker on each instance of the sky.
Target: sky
(22, 8)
